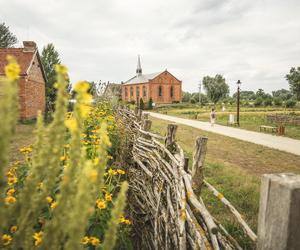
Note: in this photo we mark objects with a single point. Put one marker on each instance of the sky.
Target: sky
(256, 41)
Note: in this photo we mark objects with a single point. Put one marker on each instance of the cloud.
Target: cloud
(255, 41)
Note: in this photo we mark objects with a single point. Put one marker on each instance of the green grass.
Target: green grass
(250, 118)
(234, 167)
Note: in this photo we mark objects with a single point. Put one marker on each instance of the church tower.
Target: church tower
(139, 67)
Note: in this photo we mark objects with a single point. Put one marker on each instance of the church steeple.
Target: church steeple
(139, 67)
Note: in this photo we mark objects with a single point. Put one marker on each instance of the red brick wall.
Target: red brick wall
(32, 92)
(165, 80)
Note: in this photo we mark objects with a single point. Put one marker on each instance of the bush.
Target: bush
(290, 103)
(193, 101)
(258, 102)
(278, 101)
(142, 105)
(150, 104)
(268, 102)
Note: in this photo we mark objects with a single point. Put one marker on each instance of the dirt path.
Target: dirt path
(281, 143)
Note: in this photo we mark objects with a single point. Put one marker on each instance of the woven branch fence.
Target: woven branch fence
(164, 196)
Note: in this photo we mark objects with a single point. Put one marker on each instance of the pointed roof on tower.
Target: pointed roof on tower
(139, 67)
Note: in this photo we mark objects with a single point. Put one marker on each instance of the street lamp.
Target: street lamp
(238, 103)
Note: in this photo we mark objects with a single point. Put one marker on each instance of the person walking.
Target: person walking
(212, 117)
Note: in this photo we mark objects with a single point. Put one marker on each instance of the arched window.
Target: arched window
(160, 91)
(144, 91)
(137, 91)
(126, 91)
(131, 91)
(171, 91)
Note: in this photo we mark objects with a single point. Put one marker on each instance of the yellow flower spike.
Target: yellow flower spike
(120, 171)
(108, 197)
(62, 69)
(10, 199)
(49, 199)
(13, 229)
(85, 240)
(54, 204)
(6, 239)
(10, 191)
(71, 124)
(38, 238)
(81, 87)
(96, 161)
(12, 180)
(101, 204)
(63, 158)
(93, 174)
(95, 241)
(12, 69)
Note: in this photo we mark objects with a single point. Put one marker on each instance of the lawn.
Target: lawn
(23, 137)
(250, 118)
(234, 167)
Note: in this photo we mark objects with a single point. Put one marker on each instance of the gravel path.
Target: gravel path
(278, 142)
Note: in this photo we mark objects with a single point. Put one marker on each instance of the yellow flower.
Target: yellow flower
(63, 158)
(13, 229)
(6, 239)
(12, 69)
(183, 214)
(10, 191)
(101, 204)
(120, 171)
(71, 124)
(38, 238)
(54, 204)
(10, 199)
(84, 109)
(40, 185)
(59, 68)
(12, 180)
(108, 197)
(96, 161)
(112, 172)
(94, 241)
(81, 87)
(85, 240)
(124, 221)
(49, 199)
(66, 145)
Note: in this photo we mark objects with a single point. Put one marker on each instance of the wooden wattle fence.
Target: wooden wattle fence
(165, 197)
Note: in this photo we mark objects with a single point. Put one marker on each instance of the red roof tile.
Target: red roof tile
(23, 58)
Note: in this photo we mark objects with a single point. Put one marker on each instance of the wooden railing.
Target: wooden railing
(165, 196)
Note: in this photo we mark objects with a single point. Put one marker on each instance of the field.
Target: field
(250, 118)
(234, 167)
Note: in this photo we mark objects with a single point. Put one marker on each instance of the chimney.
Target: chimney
(29, 46)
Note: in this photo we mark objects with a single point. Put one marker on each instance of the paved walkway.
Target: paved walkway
(278, 142)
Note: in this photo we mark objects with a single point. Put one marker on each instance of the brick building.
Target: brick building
(162, 87)
(32, 78)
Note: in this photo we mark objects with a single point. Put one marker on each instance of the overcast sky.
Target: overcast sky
(256, 41)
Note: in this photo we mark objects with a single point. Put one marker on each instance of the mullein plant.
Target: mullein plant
(52, 207)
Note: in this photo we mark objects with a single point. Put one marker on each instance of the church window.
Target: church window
(131, 91)
(144, 91)
(171, 91)
(160, 91)
(126, 91)
(137, 91)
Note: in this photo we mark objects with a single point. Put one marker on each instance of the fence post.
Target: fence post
(170, 138)
(279, 212)
(147, 125)
(198, 162)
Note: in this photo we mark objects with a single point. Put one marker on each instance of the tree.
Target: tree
(142, 104)
(216, 88)
(150, 106)
(7, 39)
(277, 101)
(245, 95)
(283, 94)
(186, 96)
(293, 79)
(50, 58)
(260, 93)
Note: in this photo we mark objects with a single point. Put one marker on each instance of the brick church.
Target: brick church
(162, 87)
(32, 78)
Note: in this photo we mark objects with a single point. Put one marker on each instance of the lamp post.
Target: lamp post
(238, 103)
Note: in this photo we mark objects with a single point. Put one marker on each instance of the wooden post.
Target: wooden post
(279, 212)
(147, 125)
(198, 163)
(145, 116)
(136, 110)
(170, 139)
(186, 164)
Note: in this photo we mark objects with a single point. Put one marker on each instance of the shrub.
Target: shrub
(142, 105)
(61, 192)
(290, 103)
(267, 102)
(258, 102)
(193, 101)
(278, 101)
(150, 104)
